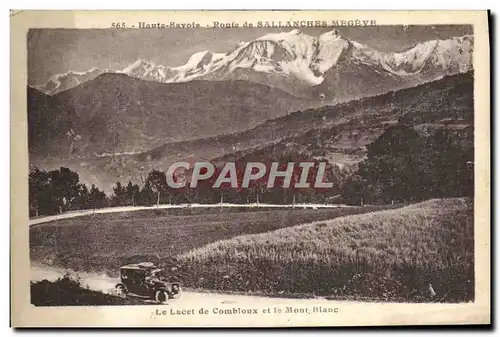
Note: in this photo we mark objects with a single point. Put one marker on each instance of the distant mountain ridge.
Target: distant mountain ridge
(116, 114)
(337, 133)
(326, 67)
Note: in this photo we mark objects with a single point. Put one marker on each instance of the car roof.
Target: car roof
(140, 266)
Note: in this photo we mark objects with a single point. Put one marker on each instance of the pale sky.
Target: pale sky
(53, 51)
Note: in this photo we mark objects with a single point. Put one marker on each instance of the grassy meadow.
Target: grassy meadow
(422, 252)
(104, 242)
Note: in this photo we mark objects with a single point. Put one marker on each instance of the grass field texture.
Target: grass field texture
(104, 242)
(422, 252)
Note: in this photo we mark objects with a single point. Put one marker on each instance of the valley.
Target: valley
(337, 133)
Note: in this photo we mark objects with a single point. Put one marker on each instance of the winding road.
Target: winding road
(74, 214)
(106, 284)
(191, 299)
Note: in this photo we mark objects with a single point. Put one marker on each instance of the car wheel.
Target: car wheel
(121, 290)
(161, 296)
(176, 291)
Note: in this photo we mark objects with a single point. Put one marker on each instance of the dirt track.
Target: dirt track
(105, 284)
(73, 214)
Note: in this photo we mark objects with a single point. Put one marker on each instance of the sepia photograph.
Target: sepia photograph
(280, 167)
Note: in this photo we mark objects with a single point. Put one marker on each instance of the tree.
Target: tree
(403, 166)
(64, 186)
(60, 190)
(83, 200)
(38, 192)
(157, 182)
(354, 190)
(147, 195)
(451, 154)
(54, 191)
(132, 191)
(392, 170)
(97, 197)
(119, 197)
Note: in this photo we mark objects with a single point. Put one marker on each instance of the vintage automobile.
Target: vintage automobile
(147, 281)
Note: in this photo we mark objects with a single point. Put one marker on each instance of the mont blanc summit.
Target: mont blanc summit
(327, 66)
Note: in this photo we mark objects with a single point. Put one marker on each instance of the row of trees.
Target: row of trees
(156, 190)
(403, 165)
(56, 191)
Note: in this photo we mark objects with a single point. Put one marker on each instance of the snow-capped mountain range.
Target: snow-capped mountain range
(325, 66)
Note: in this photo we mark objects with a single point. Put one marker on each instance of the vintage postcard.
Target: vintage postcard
(250, 169)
